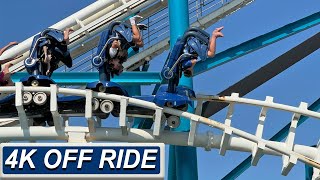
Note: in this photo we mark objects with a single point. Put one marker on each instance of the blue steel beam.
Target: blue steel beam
(279, 136)
(257, 43)
(309, 172)
(182, 160)
(82, 78)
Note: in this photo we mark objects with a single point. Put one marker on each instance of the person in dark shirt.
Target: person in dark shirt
(47, 54)
(118, 55)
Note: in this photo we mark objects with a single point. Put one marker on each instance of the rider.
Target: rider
(211, 52)
(64, 46)
(118, 55)
(5, 75)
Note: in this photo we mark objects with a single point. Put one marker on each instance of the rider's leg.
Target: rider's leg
(45, 51)
(47, 58)
(48, 64)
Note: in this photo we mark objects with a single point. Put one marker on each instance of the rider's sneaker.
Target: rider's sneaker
(142, 26)
(133, 19)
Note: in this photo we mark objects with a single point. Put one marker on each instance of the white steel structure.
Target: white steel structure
(230, 139)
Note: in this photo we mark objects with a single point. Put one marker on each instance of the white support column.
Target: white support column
(123, 113)
(316, 172)
(88, 111)
(157, 122)
(76, 134)
(193, 130)
(227, 131)
(19, 106)
(194, 123)
(258, 149)
(79, 22)
(290, 161)
(77, 137)
(57, 119)
(225, 141)
(257, 152)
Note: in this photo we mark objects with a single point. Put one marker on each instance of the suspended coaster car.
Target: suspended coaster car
(53, 41)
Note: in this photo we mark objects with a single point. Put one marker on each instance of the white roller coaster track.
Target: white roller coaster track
(230, 139)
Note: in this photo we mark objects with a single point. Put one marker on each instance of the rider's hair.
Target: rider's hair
(122, 55)
(187, 73)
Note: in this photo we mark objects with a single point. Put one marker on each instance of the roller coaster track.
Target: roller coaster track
(230, 139)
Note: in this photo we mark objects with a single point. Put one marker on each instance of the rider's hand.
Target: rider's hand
(217, 32)
(115, 44)
(69, 30)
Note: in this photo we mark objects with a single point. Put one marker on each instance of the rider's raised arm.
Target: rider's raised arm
(212, 47)
(6, 60)
(66, 34)
(137, 38)
(7, 46)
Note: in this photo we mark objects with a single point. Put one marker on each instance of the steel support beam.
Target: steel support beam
(183, 160)
(257, 43)
(82, 78)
